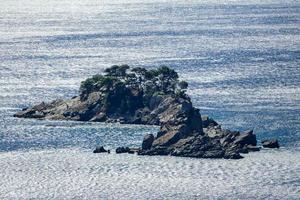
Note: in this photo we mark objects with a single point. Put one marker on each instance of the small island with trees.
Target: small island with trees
(151, 97)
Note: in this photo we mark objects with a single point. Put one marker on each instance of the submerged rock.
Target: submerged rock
(271, 143)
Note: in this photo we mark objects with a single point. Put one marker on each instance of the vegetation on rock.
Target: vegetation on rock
(162, 80)
(152, 97)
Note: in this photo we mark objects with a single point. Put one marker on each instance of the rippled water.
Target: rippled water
(77, 173)
(241, 58)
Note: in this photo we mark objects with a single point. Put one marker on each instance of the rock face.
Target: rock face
(152, 97)
(272, 143)
(247, 138)
(207, 121)
(147, 141)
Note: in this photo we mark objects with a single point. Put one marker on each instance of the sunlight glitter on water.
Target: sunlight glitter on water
(76, 173)
(241, 59)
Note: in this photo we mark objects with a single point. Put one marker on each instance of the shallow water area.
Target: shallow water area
(241, 59)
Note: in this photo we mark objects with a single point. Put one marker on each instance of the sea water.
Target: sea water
(240, 58)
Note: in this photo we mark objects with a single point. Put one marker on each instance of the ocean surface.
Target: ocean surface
(242, 62)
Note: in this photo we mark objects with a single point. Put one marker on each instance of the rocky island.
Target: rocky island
(151, 97)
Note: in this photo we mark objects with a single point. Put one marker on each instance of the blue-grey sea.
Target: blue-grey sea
(242, 62)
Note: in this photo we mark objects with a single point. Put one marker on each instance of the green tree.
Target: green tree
(117, 71)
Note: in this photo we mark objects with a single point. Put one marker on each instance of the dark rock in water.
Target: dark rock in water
(100, 150)
(158, 151)
(232, 155)
(272, 143)
(151, 97)
(147, 141)
(127, 150)
(23, 109)
(122, 150)
(133, 150)
(243, 150)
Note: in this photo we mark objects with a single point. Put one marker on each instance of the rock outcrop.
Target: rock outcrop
(152, 97)
(221, 144)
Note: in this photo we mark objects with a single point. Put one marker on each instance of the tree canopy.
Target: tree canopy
(162, 80)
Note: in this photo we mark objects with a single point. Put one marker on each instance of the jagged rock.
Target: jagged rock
(100, 150)
(271, 143)
(246, 138)
(214, 142)
(178, 122)
(147, 141)
(228, 137)
(198, 147)
(167, 139)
